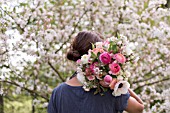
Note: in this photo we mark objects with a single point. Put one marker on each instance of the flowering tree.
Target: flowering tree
(35, 35)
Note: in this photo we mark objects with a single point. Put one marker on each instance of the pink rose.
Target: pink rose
(108, 79)
(114, 68)
(105, 58)
(120, 58)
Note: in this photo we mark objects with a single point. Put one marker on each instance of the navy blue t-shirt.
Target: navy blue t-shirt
(73, 99)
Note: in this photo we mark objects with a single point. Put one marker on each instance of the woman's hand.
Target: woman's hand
(111, 85)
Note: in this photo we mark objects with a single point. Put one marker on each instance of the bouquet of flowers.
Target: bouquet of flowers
(104, 66)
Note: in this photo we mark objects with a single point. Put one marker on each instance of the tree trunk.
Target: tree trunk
(1, 101)
(33, 106)
(1, 104)
(168, 4)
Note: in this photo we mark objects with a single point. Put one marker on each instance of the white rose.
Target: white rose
(99, 44)
(85, 59)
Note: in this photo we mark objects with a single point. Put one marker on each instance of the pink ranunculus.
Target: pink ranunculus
(120, 58)
(88, 71)
(91, 77)
(105, 58)
(114, 68)
(92, 66)
(108, 79)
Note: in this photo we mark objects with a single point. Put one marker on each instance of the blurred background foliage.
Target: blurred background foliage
(36, 34)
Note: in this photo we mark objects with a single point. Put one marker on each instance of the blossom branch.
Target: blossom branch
(152, 83)
(56, 71)
(150, 73)
(74, 29)
(4, 52)
(146, 79)
(21, 29)
(27, 89)
(32, 12)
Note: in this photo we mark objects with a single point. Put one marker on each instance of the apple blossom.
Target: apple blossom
(25, 29)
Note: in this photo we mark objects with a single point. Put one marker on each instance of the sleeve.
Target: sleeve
(52, 103)
(122, 102)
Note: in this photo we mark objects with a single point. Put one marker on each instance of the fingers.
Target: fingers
(104, 84)
(113, 83)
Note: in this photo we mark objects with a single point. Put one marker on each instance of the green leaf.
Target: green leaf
(103, 88)
(96, 92)
(114, 48)
(118, 35)
(93, 55)
(93, 46)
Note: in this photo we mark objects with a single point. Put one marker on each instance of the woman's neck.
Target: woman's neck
(74, 82)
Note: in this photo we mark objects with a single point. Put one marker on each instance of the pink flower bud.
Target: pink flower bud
(108, 79)
(78, 61)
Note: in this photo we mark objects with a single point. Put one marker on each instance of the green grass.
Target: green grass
(21, 104)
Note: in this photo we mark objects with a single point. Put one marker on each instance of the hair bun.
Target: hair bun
(73, 55)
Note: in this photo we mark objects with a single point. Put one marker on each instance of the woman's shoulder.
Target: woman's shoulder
(59, 87)
(65, 87)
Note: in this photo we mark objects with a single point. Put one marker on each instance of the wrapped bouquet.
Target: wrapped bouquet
(104, 66)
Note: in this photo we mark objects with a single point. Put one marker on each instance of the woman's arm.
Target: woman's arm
(135, 104)
(134, 95)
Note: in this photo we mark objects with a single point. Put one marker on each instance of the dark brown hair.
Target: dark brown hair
(82, 43)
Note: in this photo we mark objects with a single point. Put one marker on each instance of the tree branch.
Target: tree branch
(4, 52)
(152, 83)
(56, 71)
(149, 73)
(74, 29)
(167, 4)
(146, 79)
(21, 29)
(27, 89)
